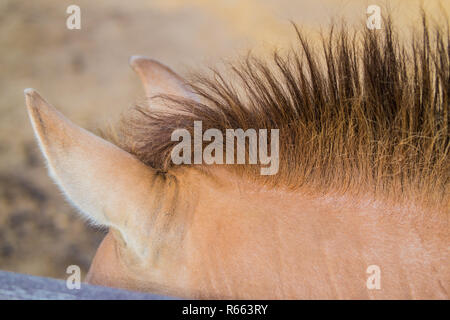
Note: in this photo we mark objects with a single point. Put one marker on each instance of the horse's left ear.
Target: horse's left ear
(159, 79)
(107, 184)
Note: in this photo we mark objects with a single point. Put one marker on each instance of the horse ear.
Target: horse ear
(159, 79)
(108, 185)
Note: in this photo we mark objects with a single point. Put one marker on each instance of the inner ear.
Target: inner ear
(108, 185)
(118, 237)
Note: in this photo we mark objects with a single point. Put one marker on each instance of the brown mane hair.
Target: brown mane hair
(369, 115)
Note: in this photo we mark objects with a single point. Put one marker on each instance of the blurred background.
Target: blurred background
(84, 73)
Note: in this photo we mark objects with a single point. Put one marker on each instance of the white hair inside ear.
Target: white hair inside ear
(108, 185)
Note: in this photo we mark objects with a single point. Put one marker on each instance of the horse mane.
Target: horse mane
(366, 114)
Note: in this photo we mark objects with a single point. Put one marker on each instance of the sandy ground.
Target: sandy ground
(84, 73)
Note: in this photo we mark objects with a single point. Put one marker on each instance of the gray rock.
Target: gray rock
(15, 286)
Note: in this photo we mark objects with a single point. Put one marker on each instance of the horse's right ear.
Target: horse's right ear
(108, 185)
(159, 79)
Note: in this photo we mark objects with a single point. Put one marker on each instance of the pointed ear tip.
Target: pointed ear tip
(33, 99)
(29, 91)
(135, 60)
(142, 62)
(30, 97)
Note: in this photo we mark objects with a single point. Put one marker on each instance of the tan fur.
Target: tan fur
(250, 243)
(236, 239)
(212, 232)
